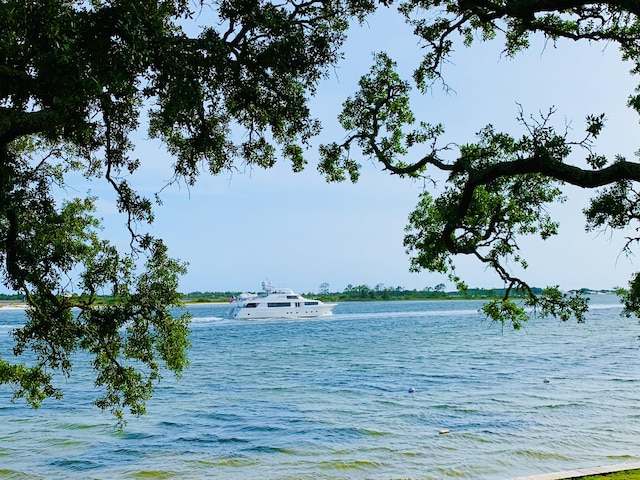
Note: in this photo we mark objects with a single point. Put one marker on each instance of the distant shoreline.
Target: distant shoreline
(12, 305)
(18, 305)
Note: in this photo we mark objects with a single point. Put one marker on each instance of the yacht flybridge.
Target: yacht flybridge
(277, 303)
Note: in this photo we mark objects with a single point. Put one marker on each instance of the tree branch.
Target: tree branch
(15, 124)
(622, 170)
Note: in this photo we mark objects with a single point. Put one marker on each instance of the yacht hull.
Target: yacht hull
(282, 312)
(278, 303)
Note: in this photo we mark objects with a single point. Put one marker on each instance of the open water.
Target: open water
(330, 398)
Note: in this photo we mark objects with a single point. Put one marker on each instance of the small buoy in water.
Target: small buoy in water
(445, 431)
(546, 380)
(412, 390)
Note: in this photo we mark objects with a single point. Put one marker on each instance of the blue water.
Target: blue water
(329, 398)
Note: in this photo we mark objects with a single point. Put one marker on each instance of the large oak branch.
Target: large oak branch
(15, 124)
(560, 171)
(523, 9)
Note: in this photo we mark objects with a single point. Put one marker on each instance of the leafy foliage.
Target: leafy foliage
(79, 77)
(499, 187)
(76, 77)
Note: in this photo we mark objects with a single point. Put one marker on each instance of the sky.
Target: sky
(236, 230)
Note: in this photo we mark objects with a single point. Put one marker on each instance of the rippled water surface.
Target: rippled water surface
(330, 398)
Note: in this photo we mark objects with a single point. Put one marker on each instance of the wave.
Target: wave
(466, 312)
(409, 313)
(208, 319)
(606, 306)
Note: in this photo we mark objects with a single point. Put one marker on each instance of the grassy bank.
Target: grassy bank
(623, 475)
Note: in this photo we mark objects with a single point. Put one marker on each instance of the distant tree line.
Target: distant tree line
(206, 297)
(364, 293)
(349, 294)
(11, 297)
(381, 292)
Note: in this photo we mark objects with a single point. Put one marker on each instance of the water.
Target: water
(329, 398)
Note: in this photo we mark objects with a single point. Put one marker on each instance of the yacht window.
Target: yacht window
(311, 303)
(278, 304)
(292, 297)
(251, 305)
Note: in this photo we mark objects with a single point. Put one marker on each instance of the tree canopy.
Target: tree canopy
(498, 186)
(79, 77)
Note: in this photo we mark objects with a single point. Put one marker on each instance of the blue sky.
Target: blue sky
(297, 230)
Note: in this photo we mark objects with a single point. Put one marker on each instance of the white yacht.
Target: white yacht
(277, 303)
